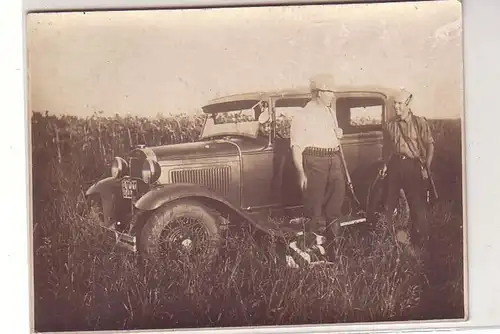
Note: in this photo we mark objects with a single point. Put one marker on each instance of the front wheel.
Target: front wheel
(184, 232)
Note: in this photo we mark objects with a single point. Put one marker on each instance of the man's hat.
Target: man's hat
(403, 96)
(322, 82)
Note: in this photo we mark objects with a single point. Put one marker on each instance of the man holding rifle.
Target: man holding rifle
(315, 141)
(408, 154)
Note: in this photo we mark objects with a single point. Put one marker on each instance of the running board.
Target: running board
(352, 222)
(296, 221)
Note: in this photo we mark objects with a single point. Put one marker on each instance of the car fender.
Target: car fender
(106, 185)
(167, 193)
(107, 189)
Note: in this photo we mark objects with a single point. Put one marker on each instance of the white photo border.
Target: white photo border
(481, 79)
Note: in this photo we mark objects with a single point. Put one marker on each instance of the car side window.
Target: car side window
(359, 115)
(284, 118)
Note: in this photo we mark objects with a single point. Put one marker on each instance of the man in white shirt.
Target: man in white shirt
(315, 141)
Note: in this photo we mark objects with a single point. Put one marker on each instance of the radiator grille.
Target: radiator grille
(135, 167)
(216, 178)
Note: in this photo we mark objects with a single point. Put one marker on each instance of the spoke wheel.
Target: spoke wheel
(184, 234)
(185, 237)
(401, 213)
(401, 218)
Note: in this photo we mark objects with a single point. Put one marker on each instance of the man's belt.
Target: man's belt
(321, 152)
(402, 156)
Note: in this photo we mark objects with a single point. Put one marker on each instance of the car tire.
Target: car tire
(162, 224)
(375, 200)
(375, 206)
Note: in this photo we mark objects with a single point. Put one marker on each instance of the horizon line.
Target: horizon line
(103, 115)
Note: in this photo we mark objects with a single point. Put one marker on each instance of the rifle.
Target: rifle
(422, 163)
(348, 176)
(431, 181)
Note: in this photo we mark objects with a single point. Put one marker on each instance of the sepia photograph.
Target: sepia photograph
(247, 166)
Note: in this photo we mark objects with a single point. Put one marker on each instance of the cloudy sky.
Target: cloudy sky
(170, 61)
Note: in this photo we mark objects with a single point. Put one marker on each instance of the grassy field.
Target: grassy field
(83, 283)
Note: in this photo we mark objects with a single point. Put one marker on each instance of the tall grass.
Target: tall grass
(82, 282)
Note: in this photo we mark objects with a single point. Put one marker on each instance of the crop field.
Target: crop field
(82, 282)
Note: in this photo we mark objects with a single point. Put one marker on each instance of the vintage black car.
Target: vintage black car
(238, 172)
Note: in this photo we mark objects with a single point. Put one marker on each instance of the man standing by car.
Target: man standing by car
(315, 141)
(408, 154)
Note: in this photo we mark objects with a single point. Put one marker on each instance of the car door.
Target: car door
(287, 177)
(361, 119)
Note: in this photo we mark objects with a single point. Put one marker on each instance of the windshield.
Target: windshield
(243, 122)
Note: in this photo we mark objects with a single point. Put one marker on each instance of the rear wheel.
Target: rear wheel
(184, 232)
(375, 207)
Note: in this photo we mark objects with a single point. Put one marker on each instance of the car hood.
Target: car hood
(203, 149)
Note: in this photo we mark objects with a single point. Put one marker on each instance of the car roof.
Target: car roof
(249, 99)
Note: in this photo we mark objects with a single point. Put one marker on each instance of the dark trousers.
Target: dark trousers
(406, 174)
(325, 191)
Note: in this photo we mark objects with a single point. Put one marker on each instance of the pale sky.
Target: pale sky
(150, 62)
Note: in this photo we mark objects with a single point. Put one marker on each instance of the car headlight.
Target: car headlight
(119, 167)
(150, 171)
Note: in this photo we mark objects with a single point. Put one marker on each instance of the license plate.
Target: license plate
(129, 188)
